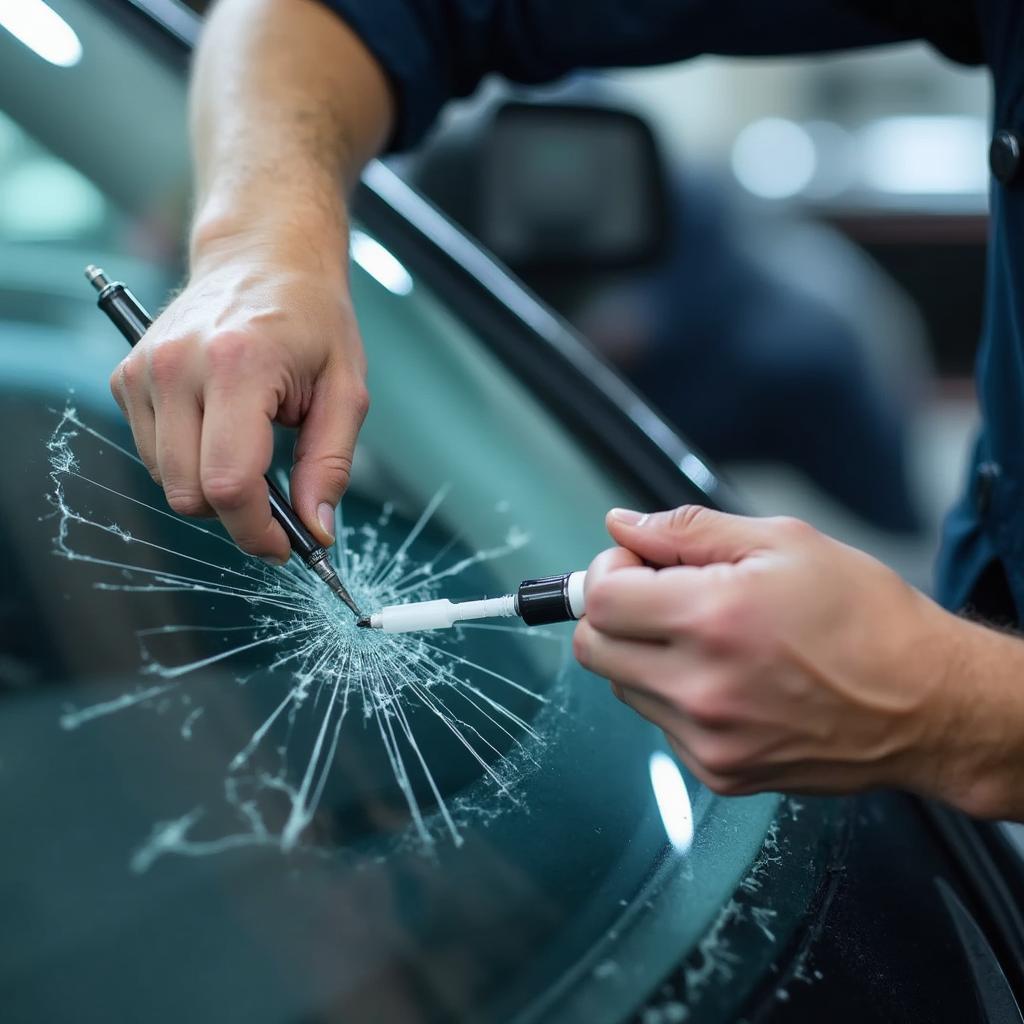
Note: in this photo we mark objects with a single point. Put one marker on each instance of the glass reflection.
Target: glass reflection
(42, 30)
(673, 800)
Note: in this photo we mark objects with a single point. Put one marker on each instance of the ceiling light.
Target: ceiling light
(774, 158)
(42, 30)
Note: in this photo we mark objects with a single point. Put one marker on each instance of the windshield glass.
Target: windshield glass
(218, 793)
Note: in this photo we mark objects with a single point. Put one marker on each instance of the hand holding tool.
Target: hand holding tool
(131, 319)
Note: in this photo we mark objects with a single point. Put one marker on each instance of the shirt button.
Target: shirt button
(1004, 155)
(988, 473)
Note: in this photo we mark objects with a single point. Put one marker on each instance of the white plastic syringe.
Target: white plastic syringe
(536, 602)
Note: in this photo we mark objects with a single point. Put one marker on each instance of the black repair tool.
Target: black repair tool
(132, 320)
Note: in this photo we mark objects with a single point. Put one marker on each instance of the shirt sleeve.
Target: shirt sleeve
(434, 50)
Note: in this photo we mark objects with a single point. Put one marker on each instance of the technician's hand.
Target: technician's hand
(776, 658)
(262, 333)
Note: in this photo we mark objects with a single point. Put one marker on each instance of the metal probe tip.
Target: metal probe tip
(364, 622)
(326, 572)
(336, 585)
(96, 277)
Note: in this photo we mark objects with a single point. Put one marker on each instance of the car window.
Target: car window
(217, 793)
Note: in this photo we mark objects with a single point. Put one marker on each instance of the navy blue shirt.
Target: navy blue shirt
(433, 50)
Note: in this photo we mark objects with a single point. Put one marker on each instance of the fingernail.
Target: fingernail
(629, 517)
(274, 563)
(325, 514)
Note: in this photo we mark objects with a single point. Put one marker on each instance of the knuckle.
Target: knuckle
(166, 363)
(983, 799)
(718, 782)
(716, 772)
(225, 490)
(715, 623)
(338, 467)
(582, 646)
(125, 376)
(792, 528)
(599, 603)
(186, 501)
(359, 401)
(706, 704)
(715, 756)
(685, 517)
(152, 467)
(723, 785)
(250, 544)
(681, 750)
(722, 622)
(228, 352)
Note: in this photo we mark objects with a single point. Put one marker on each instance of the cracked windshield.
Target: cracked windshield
(209, 770)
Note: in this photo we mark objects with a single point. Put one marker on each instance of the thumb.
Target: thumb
(688, 535)
(324, 449)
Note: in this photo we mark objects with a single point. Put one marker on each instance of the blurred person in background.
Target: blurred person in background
(772, 656)
(751, 370)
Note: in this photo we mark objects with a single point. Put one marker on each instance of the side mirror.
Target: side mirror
(553, 188)
(570, 188)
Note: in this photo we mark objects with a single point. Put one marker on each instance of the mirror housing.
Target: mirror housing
(556, 188)
(571, 186)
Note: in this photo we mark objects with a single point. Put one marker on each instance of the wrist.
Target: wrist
(275, 230)
(977, 752)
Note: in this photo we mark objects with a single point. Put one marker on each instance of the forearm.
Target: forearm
(981, 751)
(287, 107)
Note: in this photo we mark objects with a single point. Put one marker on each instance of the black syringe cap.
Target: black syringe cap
(544, 600)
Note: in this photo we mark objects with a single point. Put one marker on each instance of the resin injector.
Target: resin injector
(536, 602)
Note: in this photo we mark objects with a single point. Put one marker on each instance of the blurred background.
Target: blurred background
(800, 289)
(801, 292)
(784, 256)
